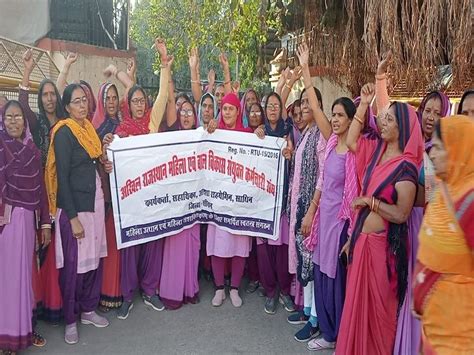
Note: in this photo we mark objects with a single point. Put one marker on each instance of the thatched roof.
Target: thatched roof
(348, 36)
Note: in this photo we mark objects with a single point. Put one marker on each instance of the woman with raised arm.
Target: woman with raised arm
(76, 199)
(272, 256)
(377, 250)
(179, 277)
(107, 118)
(433, 106)
(332, 225)
(22, 195)
(140, 265)
(40, 125)
(444, 277)
(304, 196)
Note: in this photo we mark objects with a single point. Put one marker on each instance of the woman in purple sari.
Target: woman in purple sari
(22, 194)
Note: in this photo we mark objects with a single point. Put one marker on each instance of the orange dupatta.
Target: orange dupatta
(87, 138)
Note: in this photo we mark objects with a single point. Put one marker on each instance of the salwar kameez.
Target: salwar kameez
(141, 268)
(79, 260)
(329, 273)
(272, 259)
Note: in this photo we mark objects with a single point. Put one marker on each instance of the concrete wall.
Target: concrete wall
(91, 62)
(90, 68)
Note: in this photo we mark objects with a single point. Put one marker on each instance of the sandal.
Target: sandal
(320, 344)
(38, 340)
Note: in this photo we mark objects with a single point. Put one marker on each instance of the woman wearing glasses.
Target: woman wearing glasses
(140, 265)
(77, 200)
(22, 193)
(179, 278)
(273, 255)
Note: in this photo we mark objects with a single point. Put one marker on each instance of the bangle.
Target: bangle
(288, 86)
(24, 88)
(315, 203)
(381, 76)
(226, 82)
(163, 66)
(357, 118)
(308, 86)
(46, 226)
(372, 203)
(377, 207)
(195, 82)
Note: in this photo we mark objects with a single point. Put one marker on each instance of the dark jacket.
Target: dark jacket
(76, 174)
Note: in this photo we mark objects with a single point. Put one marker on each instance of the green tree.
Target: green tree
(237, 27)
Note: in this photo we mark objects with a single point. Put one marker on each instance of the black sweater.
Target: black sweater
(76, 172)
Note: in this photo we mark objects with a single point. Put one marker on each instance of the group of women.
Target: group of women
(375, 250)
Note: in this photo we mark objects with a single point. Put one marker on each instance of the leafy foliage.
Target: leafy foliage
(237, 27)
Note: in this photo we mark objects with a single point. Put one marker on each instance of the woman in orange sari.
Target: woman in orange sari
(444, 277)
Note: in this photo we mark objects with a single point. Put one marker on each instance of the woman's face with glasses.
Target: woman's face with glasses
(255, 116)
(273, 109)
(14, 122)
(138, 104)
(78, 107)
(186, 116)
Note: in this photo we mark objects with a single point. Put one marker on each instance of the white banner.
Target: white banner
(164, 183)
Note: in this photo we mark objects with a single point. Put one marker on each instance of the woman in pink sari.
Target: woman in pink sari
(387, 168)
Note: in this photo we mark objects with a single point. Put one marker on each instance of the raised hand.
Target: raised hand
(303, 54)
(71, 59)
(236, 86)
(384, 63)
(296, 74)
(28, 60)
(160, 47)
(367, 93)
(211, 77)
(131, 68)
(224, 61)
(170, 60)
(285, 74)
(111, 70)
(193, 58)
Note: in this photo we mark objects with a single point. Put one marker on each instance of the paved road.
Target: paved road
(196, 329)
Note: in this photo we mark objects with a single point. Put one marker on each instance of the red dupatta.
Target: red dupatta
(134, 126)
(233, 100)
